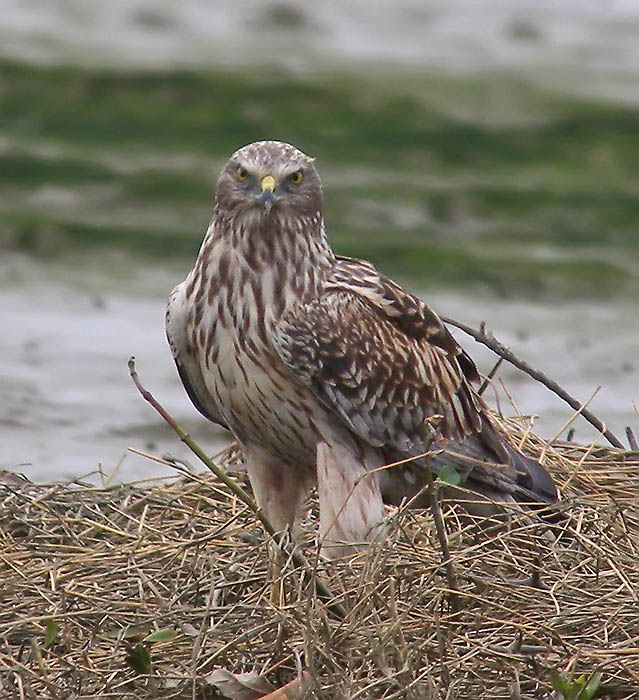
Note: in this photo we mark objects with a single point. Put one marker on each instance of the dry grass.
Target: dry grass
(98, 569)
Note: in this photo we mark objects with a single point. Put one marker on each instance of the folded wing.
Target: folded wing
(386, 365)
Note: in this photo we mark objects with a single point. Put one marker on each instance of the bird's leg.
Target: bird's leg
(350, 501)
(279, 490)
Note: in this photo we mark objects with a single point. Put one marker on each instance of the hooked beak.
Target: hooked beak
(267, 198)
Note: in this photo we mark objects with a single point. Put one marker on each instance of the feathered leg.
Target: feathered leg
(350, 502)
(279, 489)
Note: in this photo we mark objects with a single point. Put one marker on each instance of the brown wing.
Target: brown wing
(382, 360)
(409, 312)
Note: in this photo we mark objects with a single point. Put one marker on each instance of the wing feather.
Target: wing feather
(177, 318)
(381, 359)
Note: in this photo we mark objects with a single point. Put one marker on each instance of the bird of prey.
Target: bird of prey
(323, 368)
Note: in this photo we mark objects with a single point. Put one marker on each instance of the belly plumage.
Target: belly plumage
(262, 403)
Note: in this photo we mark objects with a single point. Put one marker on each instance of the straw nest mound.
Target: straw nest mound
(164, 591)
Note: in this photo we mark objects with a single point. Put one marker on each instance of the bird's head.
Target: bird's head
(269, 180)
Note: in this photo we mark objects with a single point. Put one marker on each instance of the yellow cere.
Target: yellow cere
(268, 182)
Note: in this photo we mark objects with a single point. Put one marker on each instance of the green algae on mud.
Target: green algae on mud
(453, 181)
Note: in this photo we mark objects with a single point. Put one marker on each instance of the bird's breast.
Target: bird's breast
(259, 398)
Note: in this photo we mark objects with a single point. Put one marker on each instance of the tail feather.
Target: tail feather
(486, 463)
(534, 480)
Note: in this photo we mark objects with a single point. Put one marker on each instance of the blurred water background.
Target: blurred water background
(484, 153)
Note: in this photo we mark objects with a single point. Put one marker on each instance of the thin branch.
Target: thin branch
(632, 440)
(489, 376)
(322, 590)
(435, 506)
(488, 339)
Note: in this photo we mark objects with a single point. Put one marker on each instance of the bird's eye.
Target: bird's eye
(297, 177)
(241, 174)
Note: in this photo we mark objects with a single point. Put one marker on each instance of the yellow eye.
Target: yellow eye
(241, 174)
(297, 177)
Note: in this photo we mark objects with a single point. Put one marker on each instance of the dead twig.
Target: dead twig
(440, 529)
(489, 376)
(632, 440)
(488, 339)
